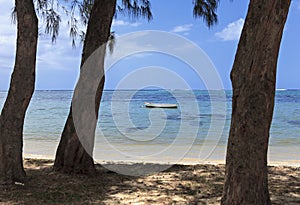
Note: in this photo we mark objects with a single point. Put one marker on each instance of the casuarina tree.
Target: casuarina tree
(19, 95)
(71, 156)
(253, 79)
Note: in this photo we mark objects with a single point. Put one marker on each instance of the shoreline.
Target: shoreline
(277, 156)
(291, 163)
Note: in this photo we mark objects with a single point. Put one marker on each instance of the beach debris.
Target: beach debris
(19, 184)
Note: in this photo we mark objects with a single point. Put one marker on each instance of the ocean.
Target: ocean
(196, 132)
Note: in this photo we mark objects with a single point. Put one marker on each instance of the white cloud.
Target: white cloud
(232, 31)
(7, 43)
(124, 23)
(6, 7)
(58, 56)
(182, 28)
(7, 39)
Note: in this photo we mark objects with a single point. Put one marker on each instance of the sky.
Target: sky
(58, 64)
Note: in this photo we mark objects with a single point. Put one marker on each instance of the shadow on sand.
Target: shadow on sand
(180, 184)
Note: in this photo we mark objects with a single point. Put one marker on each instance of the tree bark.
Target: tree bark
(19, 95)
(71, 156)
(253, 79)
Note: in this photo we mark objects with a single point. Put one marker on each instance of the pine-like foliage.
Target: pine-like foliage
(206, 9)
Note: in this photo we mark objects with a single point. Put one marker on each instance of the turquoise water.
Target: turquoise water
(128, 131)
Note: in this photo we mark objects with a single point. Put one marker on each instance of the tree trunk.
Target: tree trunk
(253, 79)
(71, 156)
(19, 95)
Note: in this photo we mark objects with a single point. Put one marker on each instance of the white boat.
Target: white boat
(159, 105)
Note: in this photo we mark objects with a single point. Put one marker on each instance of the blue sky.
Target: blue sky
(58, 64)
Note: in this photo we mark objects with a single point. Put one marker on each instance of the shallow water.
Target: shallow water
(127, 131)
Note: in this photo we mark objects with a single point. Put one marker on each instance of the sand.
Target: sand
(180, 184)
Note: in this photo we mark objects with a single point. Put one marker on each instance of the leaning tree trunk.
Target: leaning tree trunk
(253, 79)
(71, 156)
(19, 95)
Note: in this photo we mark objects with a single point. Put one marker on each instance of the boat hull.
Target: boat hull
(160, 105)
